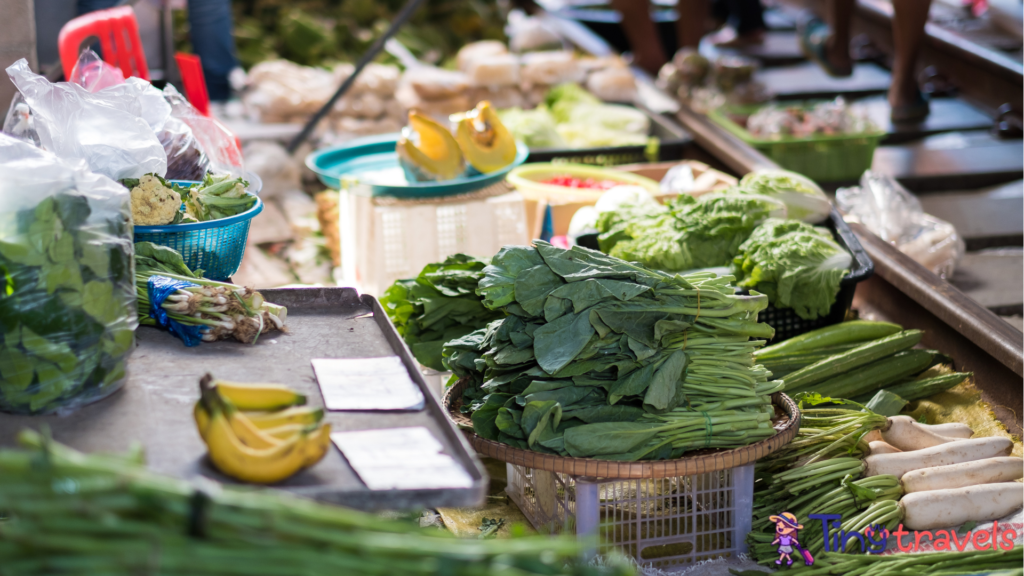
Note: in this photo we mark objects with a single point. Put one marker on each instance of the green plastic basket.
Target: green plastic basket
(839, 158)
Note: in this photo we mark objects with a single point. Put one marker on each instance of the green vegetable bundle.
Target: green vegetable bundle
(220, 310)
(857, 359)
(74, 513)
(988, 562)
(66, 286)
(797, 265)
(690, 233)
(437, 306)
(217, 197)
(604, 358)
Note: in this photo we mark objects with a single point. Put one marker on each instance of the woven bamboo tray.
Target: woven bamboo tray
(787, 422)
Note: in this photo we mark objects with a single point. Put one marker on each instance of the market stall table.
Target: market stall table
(155, 406)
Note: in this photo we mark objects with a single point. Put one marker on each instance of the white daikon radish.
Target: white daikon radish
(880, 447)
(953, 452)
(873, 436)
(987, 471)
(950, 429)
(904, 433)
(953, 507)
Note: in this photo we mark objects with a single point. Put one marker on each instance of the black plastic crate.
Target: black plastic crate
(784, 320)
(673, 142)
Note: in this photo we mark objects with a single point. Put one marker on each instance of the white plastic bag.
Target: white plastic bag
(67, 286)
(213, 138)
(106, 130)
(896, 216)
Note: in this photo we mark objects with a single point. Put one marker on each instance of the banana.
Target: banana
(266, 466)
(248, 433)
(258, 396)
(287, 431)
(202, 419)
(317, 445)
(304, 415)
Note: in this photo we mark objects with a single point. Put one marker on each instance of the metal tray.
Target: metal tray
(155, 405)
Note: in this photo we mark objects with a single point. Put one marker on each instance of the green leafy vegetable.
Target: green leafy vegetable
(217, 197)
(803, 198)
(437, 306)
(66, 305)
(599, 357)
(688, 234)
(797, 265)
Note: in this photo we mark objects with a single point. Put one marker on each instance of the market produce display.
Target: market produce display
(196, 309)
(158, 202)
(122, 518)
(428, 151)
(572, 117)
(831, 118)
(603, 358)
(689, 233)
(761, 227)
(248, 449)
(437, 306)
(931, 481)
(66, 292)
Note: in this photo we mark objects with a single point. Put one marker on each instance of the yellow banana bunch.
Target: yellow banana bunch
(270, 442)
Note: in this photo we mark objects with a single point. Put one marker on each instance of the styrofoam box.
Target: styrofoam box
(384, 243)
(660, 522)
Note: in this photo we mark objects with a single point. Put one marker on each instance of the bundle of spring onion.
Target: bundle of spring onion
(856, 360)
(1002, 562)
(219, 309)
(72, 513)
(602, 358)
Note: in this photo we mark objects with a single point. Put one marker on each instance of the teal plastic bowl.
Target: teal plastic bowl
(365, 165)
(216, 247)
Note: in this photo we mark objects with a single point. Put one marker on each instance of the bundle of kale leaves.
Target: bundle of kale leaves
(598, 357)
(437, 306)
(67, 313)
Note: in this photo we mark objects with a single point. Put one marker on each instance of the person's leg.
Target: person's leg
(643, 36)
(212, 39)
(837, 47)
(691, 24)
(748, 17)
(86, 6)
(908, 22)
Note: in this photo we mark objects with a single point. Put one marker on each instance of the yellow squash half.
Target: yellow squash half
(428, 151)
(486, 143)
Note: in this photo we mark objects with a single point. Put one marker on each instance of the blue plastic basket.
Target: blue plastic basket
(215, 247)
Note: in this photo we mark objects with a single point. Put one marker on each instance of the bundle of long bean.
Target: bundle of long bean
(72, 513)
(599, 357)
(932, 564)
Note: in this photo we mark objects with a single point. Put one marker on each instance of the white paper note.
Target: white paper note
(401, 459)
(367, 384)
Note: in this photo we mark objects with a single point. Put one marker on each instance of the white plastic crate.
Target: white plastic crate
(384, 240)
(660, 522)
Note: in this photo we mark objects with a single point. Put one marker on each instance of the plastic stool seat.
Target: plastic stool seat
(118, 34)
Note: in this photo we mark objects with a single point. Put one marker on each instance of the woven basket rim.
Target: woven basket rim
(698, 462)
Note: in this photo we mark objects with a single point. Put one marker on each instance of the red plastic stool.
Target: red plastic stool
(118, 33)
(193, 81)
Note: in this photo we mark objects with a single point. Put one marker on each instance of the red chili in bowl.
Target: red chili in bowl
(574, 182)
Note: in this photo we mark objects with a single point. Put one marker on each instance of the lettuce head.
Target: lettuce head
(803, 198)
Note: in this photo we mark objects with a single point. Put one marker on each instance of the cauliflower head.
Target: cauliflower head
(153, 204)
